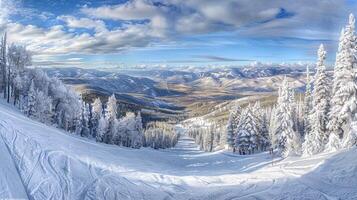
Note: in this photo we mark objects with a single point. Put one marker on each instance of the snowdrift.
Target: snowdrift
(41, 162)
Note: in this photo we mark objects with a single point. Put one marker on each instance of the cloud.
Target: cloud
(6, 8)
(221, 59)
(74, 59)
(86, 23)
(277, 18)
(142, 23)
(131, 10)
(56, 40)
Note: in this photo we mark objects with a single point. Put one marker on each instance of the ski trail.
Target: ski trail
(9, 173)
(303, 181)
(54, 165)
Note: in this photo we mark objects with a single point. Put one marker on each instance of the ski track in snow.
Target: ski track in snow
(45, 163)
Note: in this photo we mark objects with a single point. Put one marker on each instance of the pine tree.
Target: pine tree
(102, 129)
(262, 126)
(264, 139)
(31, 101)
(43, 107)
(285, 139)
(316, 139)
(307, 102)
(232, 125)
(97, 112)
(111, 115)
(111, 109)
(343, 102)
(138, 132)
(247, 140)
(85, 120)
(230, 131)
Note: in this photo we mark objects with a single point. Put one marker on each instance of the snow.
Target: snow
(41, 162)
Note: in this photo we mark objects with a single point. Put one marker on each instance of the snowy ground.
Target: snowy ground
(40, 162)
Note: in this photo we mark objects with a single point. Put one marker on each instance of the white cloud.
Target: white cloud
(57, 41)
(163, 21)
(74, 59)
(86, 23)
(207, 16)
(131, 10)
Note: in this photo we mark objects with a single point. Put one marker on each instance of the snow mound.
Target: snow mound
(41, 162)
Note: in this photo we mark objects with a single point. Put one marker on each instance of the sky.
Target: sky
(121, 33)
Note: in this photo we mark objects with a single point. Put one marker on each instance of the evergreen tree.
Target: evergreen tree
(102, 129)
(247, 140)
(307, 102)
(31, 101)
(85, 120)
(111, 115)
(343, 102)
(316, 139)
(232, 125)
(230, 131)
(286, 140)
(43, 107)
(97, 112)
(264, 139)
(111, 109)
(138, 132)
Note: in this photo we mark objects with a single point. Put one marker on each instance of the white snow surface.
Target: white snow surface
(41, 162)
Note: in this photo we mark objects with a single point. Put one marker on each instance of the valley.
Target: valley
(178, 94)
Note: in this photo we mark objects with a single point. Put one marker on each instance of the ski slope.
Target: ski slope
(41, 162)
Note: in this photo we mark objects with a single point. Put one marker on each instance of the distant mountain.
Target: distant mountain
(188, 75)
(109, 82)
(249, 72)
(161, 88)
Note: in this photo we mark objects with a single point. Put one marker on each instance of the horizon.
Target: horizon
(133, 33)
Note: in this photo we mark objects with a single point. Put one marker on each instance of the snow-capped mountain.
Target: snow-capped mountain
(108, 82)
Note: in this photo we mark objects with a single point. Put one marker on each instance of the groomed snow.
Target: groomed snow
(41, 162)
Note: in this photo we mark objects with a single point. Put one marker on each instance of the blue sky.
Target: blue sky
(108, 33)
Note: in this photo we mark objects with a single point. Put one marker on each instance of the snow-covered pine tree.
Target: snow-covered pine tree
(300, 116)
(307, 102)
(43, 107)
(264, 139)
(111, 115)
(97, 112)
(85, 120)
(230, 131)
(117, 132)
(79, 125)
(101, 129)
(293, 107)
(316, 139)
(111, 109)
(272, 125)
(285, 139)
(127, 126)
(137, 140)
(247, 140)
(260, 117)
(343, 102)
(31, 100)
(232, 125)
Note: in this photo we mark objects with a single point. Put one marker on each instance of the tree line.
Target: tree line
(50, 101)
(323, 121)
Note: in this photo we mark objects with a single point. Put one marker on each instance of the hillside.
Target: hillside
(45, 163)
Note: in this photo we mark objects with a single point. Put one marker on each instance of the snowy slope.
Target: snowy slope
(41, 162)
